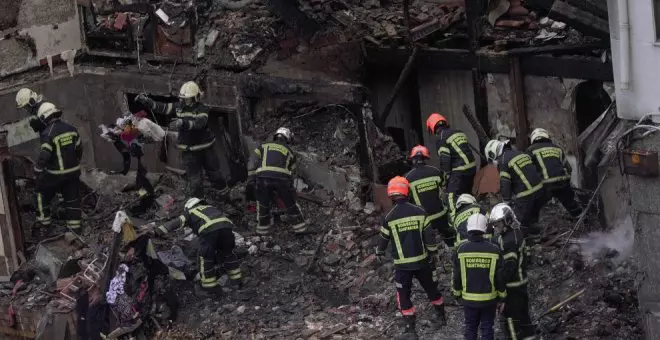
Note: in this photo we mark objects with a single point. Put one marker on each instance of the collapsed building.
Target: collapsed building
(354, 80)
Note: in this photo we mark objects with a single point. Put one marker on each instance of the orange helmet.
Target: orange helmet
(435, 119)
(398, 186)
(419, 150)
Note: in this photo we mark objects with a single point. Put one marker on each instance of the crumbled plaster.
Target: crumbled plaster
(500, 111)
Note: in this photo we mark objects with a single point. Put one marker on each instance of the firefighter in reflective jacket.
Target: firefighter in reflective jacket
(216, 241)
(195, 139)
(516, 322)
(30, 101)
(520, 182)
(466, 206)
(271, 171)
(555, 169)
(407, 225)
(456, 158)
(426, 183)
(477, 280)
(58, 169)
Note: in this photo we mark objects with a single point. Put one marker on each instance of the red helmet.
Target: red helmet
(398, 186)
(419, 151)
(435, 119)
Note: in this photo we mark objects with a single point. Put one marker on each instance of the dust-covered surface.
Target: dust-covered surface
(45, 12)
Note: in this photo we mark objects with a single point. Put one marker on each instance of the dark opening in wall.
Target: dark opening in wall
(399, 137)
(160, 119)
(591, 101)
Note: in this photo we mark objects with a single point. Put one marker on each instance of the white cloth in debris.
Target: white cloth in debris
(117, 285)
(120, 219)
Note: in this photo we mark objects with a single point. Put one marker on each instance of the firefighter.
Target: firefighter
(195, 139)
(456, 158)
(515, 253)
(555, 169)
(409, 227)
(58, 169)
(216, 242)
(520, 182)
(426, 183)
(30, 101)
(466, 206)
(477, 279)
(271, 172)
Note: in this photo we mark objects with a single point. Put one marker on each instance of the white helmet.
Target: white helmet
(539, 133)
(189, 90)
(26, 97)
(284, 132)
(464, 199)
(477, 222)
(191, 203)
(494, 149)
(502, 211)
(46, 110)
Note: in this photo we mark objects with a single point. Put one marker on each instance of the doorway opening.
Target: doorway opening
(591, 101)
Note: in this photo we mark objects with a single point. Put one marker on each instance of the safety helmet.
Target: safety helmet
(464, 199)
(26, 97)
(539, 133)
(46, 110)
(398, 186)
(477, 222)
(189, 90)
(419, 151)
(502, 212)
(494, 149)
(435, 119)
(191, 203)
(284, 132)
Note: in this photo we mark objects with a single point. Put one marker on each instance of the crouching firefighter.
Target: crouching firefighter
(477, 280)
(195, 138)
(58, 170)
(466, 206)
(516, 320)
(426, 183)
(456, 158)
(414, 239)
(555, 169)
(271, 171)
(216, 242)
(520, 183)
(30, 101)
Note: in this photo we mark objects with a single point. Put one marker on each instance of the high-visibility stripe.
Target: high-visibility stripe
(428, 185)
(65, 171)
(434, 217)
(273, 168)
(397, 242)
(258, 152)
(504, 174)
(40, 207)
(511, 255)
(464, 215)
(529, 191)
(517, 283)
(438, 302)
(493, 294)
(196, 147)
(207, 282)
(556, 179)
(456, 140)
(512, 329)
(207, 221)
(46, 146)
(191, 114)
(384, 231)
(264, 159)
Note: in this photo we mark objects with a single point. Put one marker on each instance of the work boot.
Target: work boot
(409, 332)
(440, 315)
(205, 293)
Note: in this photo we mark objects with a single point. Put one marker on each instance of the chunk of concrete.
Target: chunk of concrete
(108, 184)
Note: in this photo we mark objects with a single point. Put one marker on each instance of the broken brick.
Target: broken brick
(368, 260)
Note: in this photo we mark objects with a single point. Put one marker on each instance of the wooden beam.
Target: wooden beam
(581, 20)
(595, 7)
(517, 83)
(558, 49)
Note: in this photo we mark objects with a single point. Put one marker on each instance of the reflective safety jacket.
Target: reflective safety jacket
(454, 151)
(551, 161)
(460, 222)
(202, 219)
(477, 275)
(409, 229)
(425, 183)
(272, 160)
(61, 149)
(518, 175)
(194, 134)
(515, 254)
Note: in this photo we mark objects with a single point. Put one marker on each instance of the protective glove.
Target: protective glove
(176, 124)
(144, 100)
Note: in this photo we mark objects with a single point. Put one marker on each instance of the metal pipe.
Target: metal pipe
(624, 44)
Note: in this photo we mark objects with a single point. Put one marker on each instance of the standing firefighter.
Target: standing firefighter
(456, 158)
(271, 168)
(555, 169)
(426, 183)
(30, 101)
(216, 241)
(407, 225)
(58, 169)
(476, 280)
(516, 323)
(466, 206)
(195, 139)
(520, 183)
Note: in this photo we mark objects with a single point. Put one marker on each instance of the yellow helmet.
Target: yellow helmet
(539, 133)
(46, 110)
(26, 97)
(189, 90)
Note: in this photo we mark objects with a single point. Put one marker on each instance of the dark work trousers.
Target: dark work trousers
(441, 224)
(195, 162)
(69, 186)
(528, 208)
(480, 319)
(403, 280)
(217, 247)
(458, 183)
(563, 192)
(142, 184)
(516, 320)
(266, 190)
